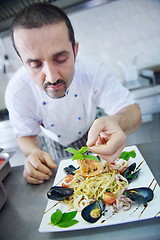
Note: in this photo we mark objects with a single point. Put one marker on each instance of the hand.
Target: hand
(37, 167)
(106, 138)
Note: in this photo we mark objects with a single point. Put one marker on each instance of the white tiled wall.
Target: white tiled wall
(115, 31)
(120, 30)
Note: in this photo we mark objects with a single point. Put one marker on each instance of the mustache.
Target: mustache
(59, 81)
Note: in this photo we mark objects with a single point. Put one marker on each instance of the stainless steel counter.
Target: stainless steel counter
(22, 213)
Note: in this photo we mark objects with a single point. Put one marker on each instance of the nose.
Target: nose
(51, 73)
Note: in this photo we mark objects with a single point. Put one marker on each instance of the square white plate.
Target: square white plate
(137, 212)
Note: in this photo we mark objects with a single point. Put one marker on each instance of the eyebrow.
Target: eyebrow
(64, 52)
(32, 60)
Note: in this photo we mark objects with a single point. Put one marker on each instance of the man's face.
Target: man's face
(48, 55)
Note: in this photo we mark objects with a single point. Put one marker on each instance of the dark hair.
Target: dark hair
(40, 14)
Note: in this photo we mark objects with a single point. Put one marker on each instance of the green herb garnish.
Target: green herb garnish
(79, 154)
(126, 155)
(56, 216)
(63, 220)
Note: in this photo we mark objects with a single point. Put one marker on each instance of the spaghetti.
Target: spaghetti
(88, 189)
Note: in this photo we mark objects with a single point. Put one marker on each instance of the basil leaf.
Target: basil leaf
(125, 156)
(68, 216)
(77, 156)
(66, 224)
(83, 150)
(71, 150)
(133, 154)
(63, 220)
(56, 216)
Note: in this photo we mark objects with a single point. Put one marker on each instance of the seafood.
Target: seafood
(141, 195)
(94, 185)
(89, 168)
(130, 174)
(122, 202)
(70, 169)
(59, 193)
(93, 211)
(91, 181)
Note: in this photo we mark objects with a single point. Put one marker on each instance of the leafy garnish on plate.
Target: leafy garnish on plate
(80, 154)
(63, 220)
(126, 155)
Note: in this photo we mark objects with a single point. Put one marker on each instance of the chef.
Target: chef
(57, 92)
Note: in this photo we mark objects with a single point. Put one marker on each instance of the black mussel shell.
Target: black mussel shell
(130, 174)
(59, 193)
(140, 195)
(133, 176)
(128, 170)
(70, 169)
(93, 211)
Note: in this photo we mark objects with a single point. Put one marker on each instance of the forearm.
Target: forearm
(129, 118)
(28, 144)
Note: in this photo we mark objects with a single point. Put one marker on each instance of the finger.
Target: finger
(48, 160)
(101, 140)
(40, 167)
(40, 162)
(113, 157)
(93, 133)
(31, 180)
(115, 142)
(31, 171)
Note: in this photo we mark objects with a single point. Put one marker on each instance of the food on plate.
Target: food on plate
(130, 173)
(141, 195)
(63, 220)
(96, 184)
(70, 169)
(59, 193)
(93, 212)
(126, 155)
(109, 198)
(89, 188)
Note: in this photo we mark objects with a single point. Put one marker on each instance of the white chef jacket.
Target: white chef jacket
(65, 119)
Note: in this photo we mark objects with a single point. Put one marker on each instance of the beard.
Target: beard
(57, 91)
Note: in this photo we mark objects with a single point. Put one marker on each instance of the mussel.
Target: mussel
(141, 195)
(59, 193)
(93, 211)
(130, 174)
(70, 169)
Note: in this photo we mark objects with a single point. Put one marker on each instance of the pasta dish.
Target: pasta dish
(92, 184)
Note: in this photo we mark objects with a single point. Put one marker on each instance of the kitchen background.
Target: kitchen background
(124, 34)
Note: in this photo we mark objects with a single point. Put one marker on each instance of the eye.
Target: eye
(36, 65)
(61, 59)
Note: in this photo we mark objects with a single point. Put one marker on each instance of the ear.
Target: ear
(76, 46)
